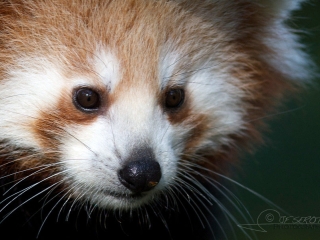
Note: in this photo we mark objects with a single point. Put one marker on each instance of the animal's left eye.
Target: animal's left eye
(86, 99)
(174, 98)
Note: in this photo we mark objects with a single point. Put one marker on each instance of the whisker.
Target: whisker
(26, 202)
(62, 197)
(64, 204)
(163, 220)
(189, 199)
(74, 201)
(29, 156)
(176, 198)
(16, 184)
(19, 193)
(241, 186)
(219, 203)
(213, 183)
(30, 175)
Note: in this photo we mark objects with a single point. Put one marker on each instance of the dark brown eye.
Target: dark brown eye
(87, 99)
(174, 98)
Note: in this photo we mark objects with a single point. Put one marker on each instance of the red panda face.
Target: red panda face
(117, 102)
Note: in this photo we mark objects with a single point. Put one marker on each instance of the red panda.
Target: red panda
(129, 112)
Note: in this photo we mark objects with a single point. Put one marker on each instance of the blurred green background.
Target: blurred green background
(286, 170)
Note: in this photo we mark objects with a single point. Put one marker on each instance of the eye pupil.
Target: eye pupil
(87, 99)
(174, 98)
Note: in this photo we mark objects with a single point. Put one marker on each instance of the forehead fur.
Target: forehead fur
(134, 29)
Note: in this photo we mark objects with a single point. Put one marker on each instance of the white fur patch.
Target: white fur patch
(168, 65)
(287, 55)
(107, 66)
(33, 84)
(213, 93)
(288, 58)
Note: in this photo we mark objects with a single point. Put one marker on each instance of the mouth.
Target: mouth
(124, 196)
(130, 200)
(127, 196)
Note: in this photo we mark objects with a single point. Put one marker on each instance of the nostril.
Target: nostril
(140, 176)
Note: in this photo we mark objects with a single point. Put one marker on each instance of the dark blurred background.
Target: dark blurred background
(286, 170)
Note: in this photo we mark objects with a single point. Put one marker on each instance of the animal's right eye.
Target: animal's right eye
(86, 99)
(174, 98)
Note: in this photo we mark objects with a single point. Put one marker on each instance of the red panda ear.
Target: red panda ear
(280, 8)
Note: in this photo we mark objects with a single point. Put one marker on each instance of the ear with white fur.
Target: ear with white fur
(288, 56)
(280, 8)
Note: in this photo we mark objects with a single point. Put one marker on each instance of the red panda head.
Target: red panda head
(117, 102)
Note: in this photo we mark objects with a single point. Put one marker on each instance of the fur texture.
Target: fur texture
(232, 61)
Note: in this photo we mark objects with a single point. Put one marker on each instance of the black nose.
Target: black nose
(140, 175)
